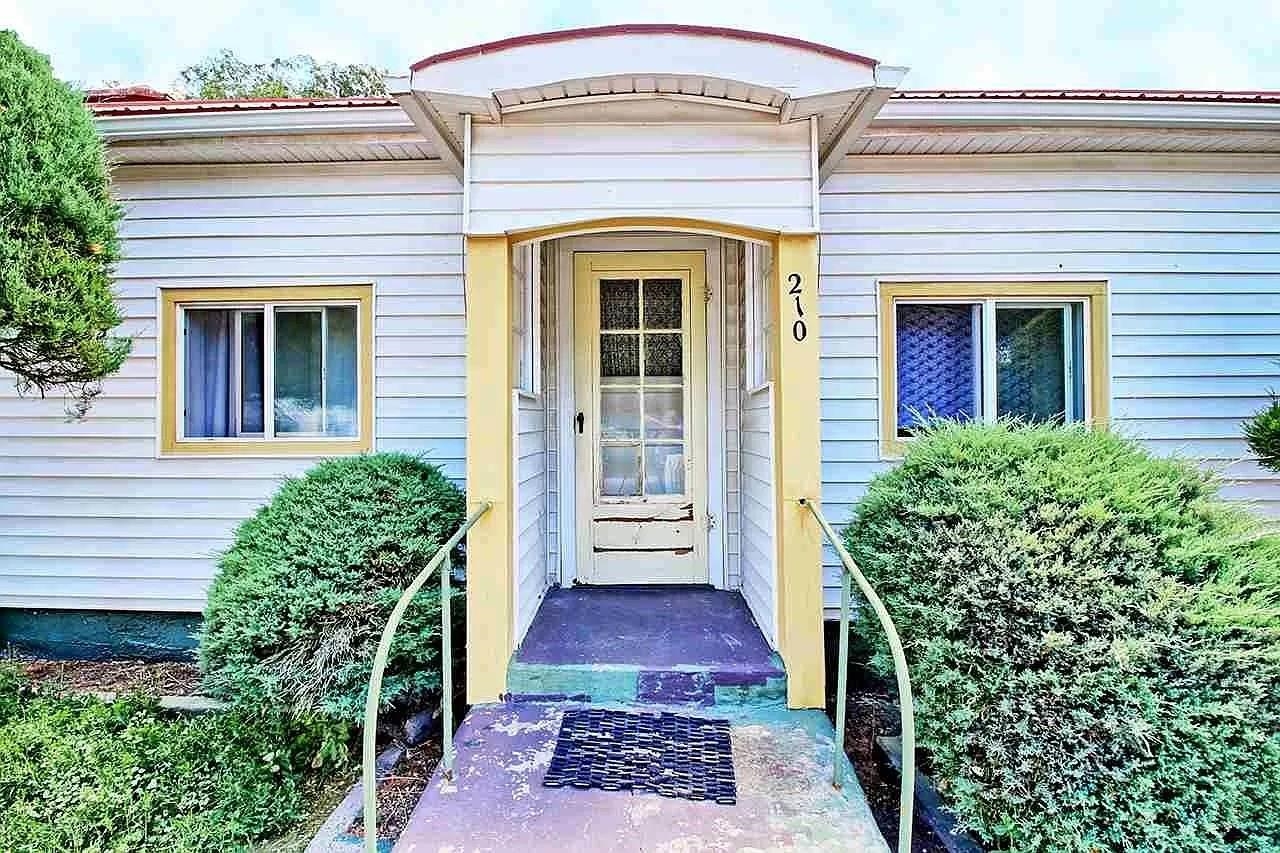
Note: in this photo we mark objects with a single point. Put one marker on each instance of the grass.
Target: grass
(77, 773)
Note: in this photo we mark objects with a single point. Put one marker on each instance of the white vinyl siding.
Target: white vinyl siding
(757, 516)
(89, 517)
(1189, 246)
(526, 176)
(530, 502)
(759, 574)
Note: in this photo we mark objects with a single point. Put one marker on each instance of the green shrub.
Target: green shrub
(1262, 431)
(302, 595)
(1093, 638)
(127, 777)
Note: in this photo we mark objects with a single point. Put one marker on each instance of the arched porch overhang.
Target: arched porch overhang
(703, 70)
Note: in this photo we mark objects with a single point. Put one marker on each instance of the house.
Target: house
(642, 288)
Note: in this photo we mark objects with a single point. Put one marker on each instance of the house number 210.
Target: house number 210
(799, 330)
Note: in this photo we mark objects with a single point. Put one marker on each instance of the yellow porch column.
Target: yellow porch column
(798, 468)
(490, 466)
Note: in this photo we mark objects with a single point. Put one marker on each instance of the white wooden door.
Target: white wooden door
(640, 418)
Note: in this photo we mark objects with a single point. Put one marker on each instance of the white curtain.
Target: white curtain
(208, 369)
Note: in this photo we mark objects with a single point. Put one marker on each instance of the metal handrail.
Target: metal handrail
(368, 774)
(906, 794)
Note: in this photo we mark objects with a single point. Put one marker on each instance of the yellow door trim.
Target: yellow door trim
(669, 224)
(797, 446)
(490, 466)
(588, 267)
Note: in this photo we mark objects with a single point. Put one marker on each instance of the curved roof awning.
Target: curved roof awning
(766, 77)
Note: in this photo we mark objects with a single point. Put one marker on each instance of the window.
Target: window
(274, 370)
(981, 352)
(757, 277)
(527, 275)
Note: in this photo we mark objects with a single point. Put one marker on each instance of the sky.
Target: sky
(1195, 44)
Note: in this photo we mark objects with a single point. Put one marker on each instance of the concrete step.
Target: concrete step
(763, 684)
(684, 646)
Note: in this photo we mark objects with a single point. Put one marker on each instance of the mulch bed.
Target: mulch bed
(176, 678)
(873, 713)
(399, 791)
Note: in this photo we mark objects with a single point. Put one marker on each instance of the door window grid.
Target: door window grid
(642, 433)
(987, 386)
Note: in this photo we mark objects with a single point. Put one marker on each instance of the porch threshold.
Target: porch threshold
(496, 801)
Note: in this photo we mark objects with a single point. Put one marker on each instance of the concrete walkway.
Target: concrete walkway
(497, 802)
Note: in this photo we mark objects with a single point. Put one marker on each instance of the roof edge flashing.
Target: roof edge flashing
(555, 36)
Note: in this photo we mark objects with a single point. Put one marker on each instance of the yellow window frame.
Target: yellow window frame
(1092, 293)
(173, 300)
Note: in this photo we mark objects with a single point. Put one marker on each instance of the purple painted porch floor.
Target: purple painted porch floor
(652, 627)
(496, 801)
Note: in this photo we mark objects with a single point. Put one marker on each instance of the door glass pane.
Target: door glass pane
(619, 304)
(664, 413)
(340, 371)
(619, 414)
(939, 373)
(251, 371)
(664, 357)
(664, 469)
(619, 358)
(1031, 363)
(662, 304)
(298, 372)
(207, 360)
(620, 470)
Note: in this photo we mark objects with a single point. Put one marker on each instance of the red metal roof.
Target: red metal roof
(144, 107)
(639, 29)
(141, 100)
(1198, 96)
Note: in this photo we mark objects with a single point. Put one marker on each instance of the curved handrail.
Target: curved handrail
(906, 794)
(368, 775)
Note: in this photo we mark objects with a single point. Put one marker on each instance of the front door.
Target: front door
(640, 419)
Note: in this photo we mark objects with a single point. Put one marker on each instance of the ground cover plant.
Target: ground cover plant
(302, 595)
(1093, 637)
(77, 773)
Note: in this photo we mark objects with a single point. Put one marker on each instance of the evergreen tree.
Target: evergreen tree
(57, 235)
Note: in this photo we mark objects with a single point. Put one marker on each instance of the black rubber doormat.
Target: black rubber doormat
(668, 754)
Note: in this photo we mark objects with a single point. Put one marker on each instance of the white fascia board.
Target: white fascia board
(1033, 112)
(253, 123)
(888, 78)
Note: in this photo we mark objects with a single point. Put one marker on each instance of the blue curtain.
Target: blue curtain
(208, 374)
(937, 363)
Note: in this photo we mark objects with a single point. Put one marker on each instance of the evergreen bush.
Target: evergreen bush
(1093, 638)
(1262, 431)
(301, 597)
(57, 234)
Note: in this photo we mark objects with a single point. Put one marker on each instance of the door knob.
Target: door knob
(581, 421)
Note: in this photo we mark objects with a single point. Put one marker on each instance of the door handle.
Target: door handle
(581, 422)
